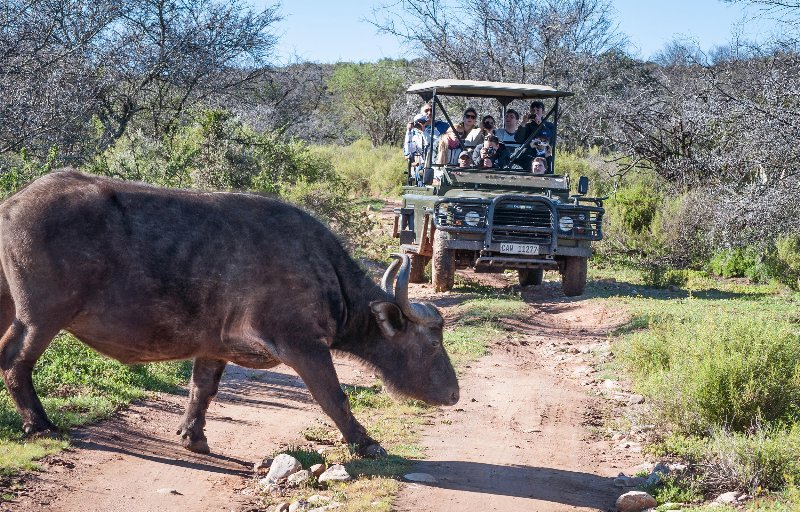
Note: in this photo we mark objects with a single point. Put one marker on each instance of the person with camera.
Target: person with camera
(475, 137)
(414, 147)
(493, 154)
(535, 121)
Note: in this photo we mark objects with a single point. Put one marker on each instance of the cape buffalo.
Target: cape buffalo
(141, 273)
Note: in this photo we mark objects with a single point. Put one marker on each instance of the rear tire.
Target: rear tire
(573, 276)
(530, 276)
(443, 267)
(418, 264)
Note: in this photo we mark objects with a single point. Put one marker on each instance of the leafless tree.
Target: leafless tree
(48, 79)
(163, 56)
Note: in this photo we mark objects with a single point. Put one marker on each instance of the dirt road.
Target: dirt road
(521, 439)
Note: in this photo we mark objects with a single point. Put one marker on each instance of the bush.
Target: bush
(216, 152)
(783, 262)
(723, 371)
(630, 223)
(17, 170)
(739, 262)
(659, 275)
(764, 460)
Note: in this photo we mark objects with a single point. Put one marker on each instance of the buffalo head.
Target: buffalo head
(411, 359)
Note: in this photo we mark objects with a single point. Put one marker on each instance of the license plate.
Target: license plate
(520, 248)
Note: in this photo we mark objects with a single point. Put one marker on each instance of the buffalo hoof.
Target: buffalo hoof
(373, 451)
(199, 445)
(47, 432)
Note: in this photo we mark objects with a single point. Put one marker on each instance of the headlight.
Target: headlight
(472, 218)
(565, 224)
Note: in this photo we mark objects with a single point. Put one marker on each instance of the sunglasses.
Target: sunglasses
(469, 116)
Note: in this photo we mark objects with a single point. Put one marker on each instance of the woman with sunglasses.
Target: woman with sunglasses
(449, 145)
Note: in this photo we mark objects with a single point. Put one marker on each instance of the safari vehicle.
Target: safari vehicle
(496, 219)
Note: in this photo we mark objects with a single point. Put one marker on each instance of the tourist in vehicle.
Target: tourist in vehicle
(475, 137)
(470, 119)
(450, 145)
(438, 127)
(493, 154)
(539, 165)
(507, 134)
(465, 159)
(535, 121)
(414, 146)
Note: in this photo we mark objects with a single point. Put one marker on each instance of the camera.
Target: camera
(490, 151)
(540, 144)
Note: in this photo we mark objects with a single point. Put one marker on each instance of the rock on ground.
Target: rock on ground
(283, 466)
(635, 501)
(335, 473)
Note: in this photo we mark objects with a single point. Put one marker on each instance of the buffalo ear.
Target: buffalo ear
(389, 317)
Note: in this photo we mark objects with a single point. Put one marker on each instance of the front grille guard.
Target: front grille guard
(488, 231)
(593, 225)
(549, 231)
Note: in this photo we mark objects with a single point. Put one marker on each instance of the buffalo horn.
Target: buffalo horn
(417, 313)
(387, 282)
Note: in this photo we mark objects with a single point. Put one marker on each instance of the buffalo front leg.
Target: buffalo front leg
(206, 374)
(20, 348)
(316, 369)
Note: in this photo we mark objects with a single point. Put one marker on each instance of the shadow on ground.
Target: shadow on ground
(537, 483)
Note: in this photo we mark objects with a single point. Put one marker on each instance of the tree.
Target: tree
(370, 98)
(572, 45)
(65, 62)
(48, 84)
(164, 56)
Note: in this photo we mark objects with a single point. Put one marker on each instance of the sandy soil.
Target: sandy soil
(522, 438)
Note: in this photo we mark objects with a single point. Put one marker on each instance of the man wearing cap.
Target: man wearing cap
(465, 159)
(414, 145)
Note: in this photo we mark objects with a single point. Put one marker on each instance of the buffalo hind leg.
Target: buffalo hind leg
(315, 367)
(20, 348)
(206, 374)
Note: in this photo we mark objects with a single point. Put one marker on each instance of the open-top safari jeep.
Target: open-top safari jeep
(497, 218)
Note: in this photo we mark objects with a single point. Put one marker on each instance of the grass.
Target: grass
(719, 363)
(78, 386)
(371, 171)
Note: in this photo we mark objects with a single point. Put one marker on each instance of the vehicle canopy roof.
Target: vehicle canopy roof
(505, 92)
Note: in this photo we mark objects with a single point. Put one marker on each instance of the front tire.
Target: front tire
(530, 276)
(573, 276)
(443, 268)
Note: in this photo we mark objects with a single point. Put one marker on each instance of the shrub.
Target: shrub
(739, 262)
(658, 274)
(216, 152)
(18, 170)
(783, 263)
(723, 371)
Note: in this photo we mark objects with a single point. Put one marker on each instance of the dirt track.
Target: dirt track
(519, 440)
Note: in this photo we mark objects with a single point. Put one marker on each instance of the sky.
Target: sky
(329, 31)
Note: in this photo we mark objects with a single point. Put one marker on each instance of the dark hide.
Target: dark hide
(141, 274)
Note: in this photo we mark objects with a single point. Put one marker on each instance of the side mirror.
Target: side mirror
(583, 185)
